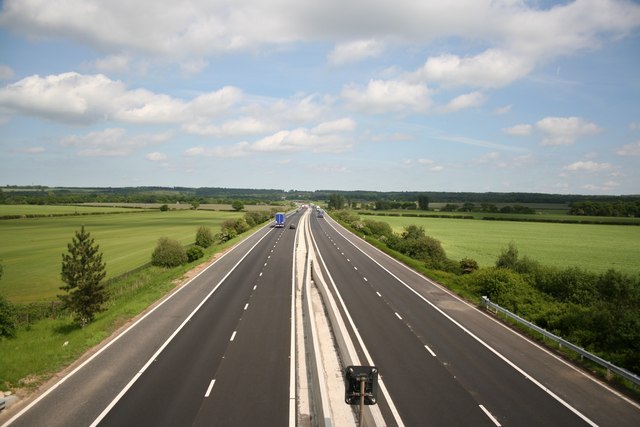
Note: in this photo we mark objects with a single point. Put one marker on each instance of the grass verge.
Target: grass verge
(47, 346)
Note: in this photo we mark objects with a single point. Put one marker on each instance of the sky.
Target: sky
(403, 95)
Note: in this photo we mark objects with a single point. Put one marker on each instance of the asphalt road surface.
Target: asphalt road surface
(444, 362)
(219, 352)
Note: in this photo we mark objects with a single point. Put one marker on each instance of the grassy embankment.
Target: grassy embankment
(31, 256)
(31, 251)
(593, 247)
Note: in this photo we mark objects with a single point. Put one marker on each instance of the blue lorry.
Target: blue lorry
(280, 218)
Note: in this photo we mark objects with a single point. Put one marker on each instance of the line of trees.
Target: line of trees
(487, 207)
(618, 208)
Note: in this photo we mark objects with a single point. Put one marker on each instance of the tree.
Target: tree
(169, 253)
(237, 205)
(7, 315)
(336, 201)
(204, 237)
(82, 271)
(423, 202)
(508, 258)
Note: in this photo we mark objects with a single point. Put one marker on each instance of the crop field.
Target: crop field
(31, 248)
(56, 210)
(592, 247)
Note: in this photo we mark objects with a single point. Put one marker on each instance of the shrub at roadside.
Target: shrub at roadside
(254, 218)
(468, 265)
(194, 253)
(7, 318)
(204, 237)
(168, 253)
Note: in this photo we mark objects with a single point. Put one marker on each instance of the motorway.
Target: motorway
(220, 351)
(217, 352)
(438, 371)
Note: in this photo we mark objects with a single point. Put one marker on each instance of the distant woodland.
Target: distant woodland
(376, 200)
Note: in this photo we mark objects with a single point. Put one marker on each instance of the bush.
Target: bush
(194, 253)
(508, 258)
(164, 208)
(204, 237)
(7, 318)
(496, 283)
(169, 253)
(468, 265)
(254, 218)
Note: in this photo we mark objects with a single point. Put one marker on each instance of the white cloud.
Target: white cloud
(383, 96)
(302, 140)
(340, 125)
(491, 68)
(503, 110)
(156, 157)
(565, 130)
(629, 149)
(467, 100)
(326, 137)
(518, 130)
(112, 142)
(588, 166)
(6, 72)
(84, 99)
(607, 186)
(355, 51)
(118, 63)
(521, 34)
(221, 151)
(232, 128)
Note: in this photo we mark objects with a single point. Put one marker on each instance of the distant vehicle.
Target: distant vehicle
(292, 226)
(280, 219)
(320, 213)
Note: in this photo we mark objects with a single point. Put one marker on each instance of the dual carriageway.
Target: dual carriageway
(221, 350)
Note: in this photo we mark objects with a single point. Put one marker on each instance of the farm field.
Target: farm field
(56, 210)
(31, 248)
(593, 247)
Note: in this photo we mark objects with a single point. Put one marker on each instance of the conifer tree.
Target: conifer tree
(82, 271)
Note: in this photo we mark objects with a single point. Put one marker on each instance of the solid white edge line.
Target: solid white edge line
(478, 339)
(166, 343)
(107, 345)
(209, 388)
(491, 417)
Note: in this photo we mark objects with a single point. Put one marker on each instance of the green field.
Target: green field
(593, 247)
(31, 248)
(43, 210)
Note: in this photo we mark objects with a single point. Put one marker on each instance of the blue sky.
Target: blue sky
(403, 95)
